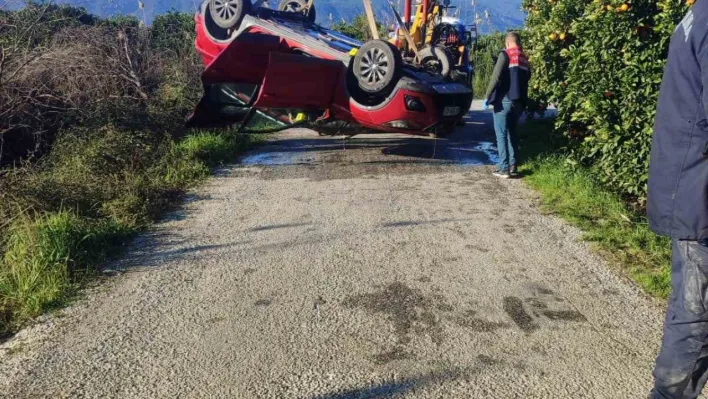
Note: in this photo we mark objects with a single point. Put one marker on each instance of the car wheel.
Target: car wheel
(436, 60)
(377, 66)
(227, 14)
(298, 6)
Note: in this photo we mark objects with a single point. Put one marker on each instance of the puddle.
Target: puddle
(479, 154)
(472, 153)
(272, 158)
(457, 152)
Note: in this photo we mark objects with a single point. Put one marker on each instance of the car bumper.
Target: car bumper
(444, 105)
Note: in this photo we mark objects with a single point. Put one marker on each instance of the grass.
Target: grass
(571, 192)
(85, 200)
(47, 256)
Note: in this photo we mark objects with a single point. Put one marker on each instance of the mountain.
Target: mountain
(504, 14)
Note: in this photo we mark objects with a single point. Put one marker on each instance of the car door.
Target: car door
(245, 60)
(298, 81)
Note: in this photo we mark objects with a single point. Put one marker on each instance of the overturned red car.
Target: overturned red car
(272, 69)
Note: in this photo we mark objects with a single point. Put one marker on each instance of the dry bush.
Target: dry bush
(58, 71)
(86, 73)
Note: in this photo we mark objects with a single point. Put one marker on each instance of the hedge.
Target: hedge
(600, 63)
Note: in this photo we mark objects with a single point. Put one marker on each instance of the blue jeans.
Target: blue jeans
(506, 119)
(682, 366)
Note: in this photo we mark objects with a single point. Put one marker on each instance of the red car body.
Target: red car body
(293, 64)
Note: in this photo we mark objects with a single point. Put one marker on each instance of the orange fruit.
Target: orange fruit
(690, 2)
(553, 36)
(562, 36)
(624, 7)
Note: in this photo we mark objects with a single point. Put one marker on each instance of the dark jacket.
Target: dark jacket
(510, 78)
(678, 172)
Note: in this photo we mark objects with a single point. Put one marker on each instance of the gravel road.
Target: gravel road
(320, 268)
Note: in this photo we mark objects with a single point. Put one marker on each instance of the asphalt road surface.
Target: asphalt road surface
(318, 268)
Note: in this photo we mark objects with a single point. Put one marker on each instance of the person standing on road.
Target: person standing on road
(507, 93)
(678, 206)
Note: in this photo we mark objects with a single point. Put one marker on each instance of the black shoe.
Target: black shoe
(513, 171)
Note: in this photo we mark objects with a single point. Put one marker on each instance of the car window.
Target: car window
(273, 119)
(237, 93)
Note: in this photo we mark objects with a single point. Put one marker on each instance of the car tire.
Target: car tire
(227, 14)
(436, 60)
(298, 6)
(377, 66)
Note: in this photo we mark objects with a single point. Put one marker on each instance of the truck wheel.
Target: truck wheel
(298, 6)
(377, 66)
(436, 60)
(227, 14)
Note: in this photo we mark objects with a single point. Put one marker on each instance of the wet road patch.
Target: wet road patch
(409, 311)
(477, 248)
(464, 148)
(406, 308)
(263, 303)
(565, 315)
(279, 226)
(470, 321)
(273, 158)
(514, 307)
(488, 360)
(460, 153)
(396, 353)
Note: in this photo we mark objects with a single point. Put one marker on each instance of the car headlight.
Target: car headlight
(414, 103)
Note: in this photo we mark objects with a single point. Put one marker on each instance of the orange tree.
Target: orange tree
(601, 63)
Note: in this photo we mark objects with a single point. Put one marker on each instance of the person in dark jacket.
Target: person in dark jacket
(678, 206)
(507, 93)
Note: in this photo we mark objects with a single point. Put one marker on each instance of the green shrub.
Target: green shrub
(484, 58)
(45, 257)
(601, 63)
(359, 28)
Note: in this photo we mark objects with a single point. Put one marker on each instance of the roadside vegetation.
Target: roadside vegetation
(359, 29)
(574, 192)
(600, 62)
(483, 58)
(92, 144)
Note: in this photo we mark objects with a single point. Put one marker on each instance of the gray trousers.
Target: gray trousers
(682, 366)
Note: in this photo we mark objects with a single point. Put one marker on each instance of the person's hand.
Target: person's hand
(485, 104)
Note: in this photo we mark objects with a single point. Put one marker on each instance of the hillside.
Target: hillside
(504, 14)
